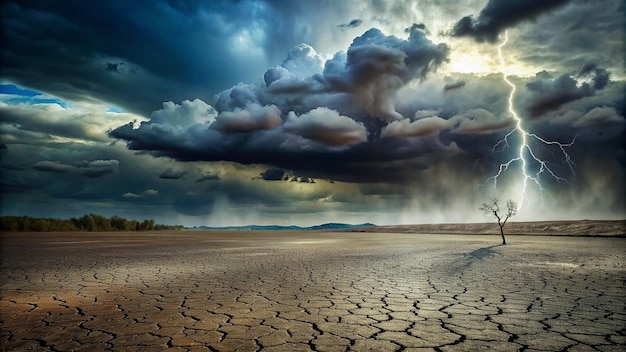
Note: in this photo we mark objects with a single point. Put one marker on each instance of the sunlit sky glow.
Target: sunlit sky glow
(305, 112)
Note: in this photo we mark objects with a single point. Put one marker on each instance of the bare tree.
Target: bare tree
(493, 208)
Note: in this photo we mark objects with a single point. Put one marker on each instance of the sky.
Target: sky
(305, 112)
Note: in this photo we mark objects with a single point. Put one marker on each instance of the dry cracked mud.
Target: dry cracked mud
(310, 291)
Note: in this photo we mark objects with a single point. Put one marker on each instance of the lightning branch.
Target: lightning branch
(525, 154)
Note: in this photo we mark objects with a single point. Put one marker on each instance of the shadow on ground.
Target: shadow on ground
(468, 259)
(482, 253)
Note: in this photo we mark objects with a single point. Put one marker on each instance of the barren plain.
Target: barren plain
(310, 291)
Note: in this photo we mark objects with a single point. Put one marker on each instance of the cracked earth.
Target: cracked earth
(310, 291)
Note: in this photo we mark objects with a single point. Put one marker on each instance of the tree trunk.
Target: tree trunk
(502, 234)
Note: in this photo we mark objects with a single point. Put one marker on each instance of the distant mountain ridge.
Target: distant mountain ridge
(327, 226)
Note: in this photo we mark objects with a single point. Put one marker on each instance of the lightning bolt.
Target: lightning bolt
(525, 154)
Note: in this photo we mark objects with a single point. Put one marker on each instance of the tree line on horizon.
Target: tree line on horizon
(87, 222)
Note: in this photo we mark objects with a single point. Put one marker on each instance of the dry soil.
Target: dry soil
(310, 291)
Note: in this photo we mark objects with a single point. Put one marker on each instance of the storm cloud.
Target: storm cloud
(455, 85)
(208, 177)
(549, 93)
(92, 169)
(171, 174)
(499, 15)
(339, 111)
(301, 112)
(352, 24)
(109, 47)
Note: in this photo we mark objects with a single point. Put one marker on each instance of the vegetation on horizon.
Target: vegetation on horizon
(87, 222)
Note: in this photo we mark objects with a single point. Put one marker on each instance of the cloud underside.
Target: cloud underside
(352, 118)
(499, 15)
(323, 118)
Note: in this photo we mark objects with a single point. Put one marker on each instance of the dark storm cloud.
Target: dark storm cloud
(52, 166)
(361, 83)
(208, 177)
(549, 94)
(378, 65)
(336, 141)
(587, 68)
(455, 85)
(318, 122)
(480, 121)
(580, 33)
(419, 26)
(74, 62)
(91, 169)
(274, 175)
(10, 187)
(302, 179)
(599, 117)
(113, 67)
(138, 54)
(61, 170)
(601, 77)
(15, 167)
(499, 15)
(98, 168)
(352, 24)
(171, 174)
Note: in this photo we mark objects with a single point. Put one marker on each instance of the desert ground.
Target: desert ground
(590, 228)
(311, 291)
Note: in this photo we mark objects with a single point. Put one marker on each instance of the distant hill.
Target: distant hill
(328, 226)
(554, 228)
